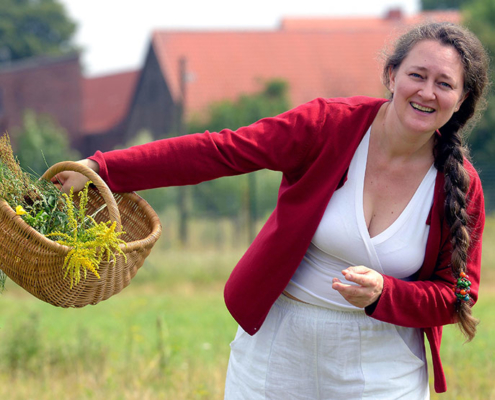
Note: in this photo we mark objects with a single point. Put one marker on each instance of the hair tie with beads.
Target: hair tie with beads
(462, 288)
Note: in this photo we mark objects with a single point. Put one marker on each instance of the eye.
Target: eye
(415, 75)
(446, 85)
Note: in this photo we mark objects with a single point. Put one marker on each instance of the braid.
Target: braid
(450, 154)
(449, 150)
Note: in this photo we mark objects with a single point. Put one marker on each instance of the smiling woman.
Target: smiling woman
(377, 192)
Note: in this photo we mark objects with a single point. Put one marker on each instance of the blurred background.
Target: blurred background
(80, 76)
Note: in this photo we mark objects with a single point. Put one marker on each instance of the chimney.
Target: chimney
(394, 14)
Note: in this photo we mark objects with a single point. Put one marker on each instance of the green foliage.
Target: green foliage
(225, 197)
(41, 142)
(34, 27)
(479, 16)
(45, 214)
(37, 201)
(442, 4)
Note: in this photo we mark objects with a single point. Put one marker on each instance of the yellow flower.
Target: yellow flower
(20, 211)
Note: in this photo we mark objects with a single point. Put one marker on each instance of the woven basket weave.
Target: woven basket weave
(35, 262)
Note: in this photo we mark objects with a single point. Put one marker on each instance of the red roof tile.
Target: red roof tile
(393, 20)
(336, 57)
(222, 65)
(106, 100)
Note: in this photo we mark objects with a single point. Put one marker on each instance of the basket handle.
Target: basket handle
(102, 187)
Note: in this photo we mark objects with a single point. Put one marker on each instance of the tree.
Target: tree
(479, 16)
(442, 4)
(34, 27)
(42, 143)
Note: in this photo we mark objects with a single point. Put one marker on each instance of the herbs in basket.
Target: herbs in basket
(55, 215)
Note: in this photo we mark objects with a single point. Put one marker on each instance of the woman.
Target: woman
(376, 192)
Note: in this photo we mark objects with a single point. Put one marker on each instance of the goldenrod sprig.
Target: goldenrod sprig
(90, 245)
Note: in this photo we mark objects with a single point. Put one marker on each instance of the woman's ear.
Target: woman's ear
(391, 79)
(459, 103)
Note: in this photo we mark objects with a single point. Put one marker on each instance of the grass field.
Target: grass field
(167, 335)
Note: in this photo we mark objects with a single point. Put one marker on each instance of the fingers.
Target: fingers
(366, 290)
(358, 269)
(74, 180)
(362, 276)
(358, 296)
(360, 279)
(346, 289)
(69, 179)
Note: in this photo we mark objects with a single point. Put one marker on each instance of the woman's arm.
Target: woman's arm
(279, 143)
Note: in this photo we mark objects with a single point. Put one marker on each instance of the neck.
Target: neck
(399, 145)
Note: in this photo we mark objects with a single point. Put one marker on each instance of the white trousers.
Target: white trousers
(306, 352)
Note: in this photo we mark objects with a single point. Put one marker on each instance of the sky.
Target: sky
(114, 34)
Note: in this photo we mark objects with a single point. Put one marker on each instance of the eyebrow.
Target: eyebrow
(445, 76)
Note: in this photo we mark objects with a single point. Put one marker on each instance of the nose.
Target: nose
(428, 90)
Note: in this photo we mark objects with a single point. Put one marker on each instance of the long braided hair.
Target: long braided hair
(449, 150)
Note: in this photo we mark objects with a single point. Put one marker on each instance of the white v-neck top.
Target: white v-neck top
(342, 239)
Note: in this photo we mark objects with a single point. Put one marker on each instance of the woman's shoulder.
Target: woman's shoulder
(346, 102)
(355, 101)
(358, 108)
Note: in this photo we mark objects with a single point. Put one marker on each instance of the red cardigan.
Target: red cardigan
(313, 146)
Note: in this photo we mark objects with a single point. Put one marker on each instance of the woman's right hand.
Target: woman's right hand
(67, 179)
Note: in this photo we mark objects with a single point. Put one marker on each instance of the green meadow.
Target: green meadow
(167, 335)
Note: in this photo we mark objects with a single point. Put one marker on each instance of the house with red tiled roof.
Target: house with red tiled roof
(186, 71)
(318, 57)
(48, 85)
(394, 20)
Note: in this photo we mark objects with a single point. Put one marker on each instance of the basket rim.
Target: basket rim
(156, 227)
(24, 226)
(52, 245)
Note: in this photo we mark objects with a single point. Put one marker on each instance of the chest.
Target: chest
(387, 191)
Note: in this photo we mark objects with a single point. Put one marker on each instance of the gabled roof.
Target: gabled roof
(393, 20)
(336, 57)
(222, 65)
(106, 100)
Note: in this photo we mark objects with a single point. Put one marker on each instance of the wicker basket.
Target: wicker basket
(35, 262)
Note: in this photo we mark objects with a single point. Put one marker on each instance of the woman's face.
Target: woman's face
(427, 87)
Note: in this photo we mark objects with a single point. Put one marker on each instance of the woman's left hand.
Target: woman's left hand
(370, 286)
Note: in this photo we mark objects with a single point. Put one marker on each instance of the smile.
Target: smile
(421, 108)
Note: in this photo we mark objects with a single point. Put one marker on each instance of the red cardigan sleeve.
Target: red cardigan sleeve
(279, 143)
(431, 302)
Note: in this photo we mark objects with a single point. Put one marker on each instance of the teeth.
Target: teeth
(421, 108)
